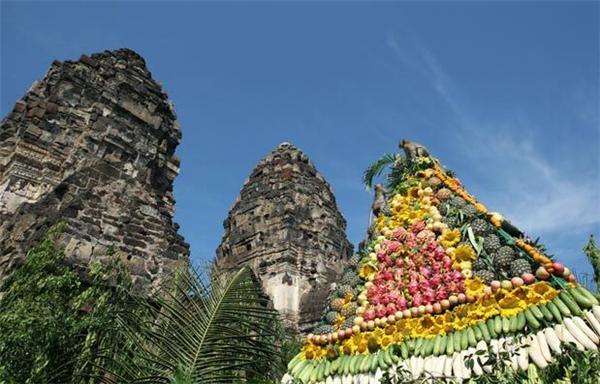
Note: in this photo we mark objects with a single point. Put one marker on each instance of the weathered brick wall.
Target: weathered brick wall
(93, 145)
(286, 226)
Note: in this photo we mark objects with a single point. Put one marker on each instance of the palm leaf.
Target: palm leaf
(377, 168)
(224, 332)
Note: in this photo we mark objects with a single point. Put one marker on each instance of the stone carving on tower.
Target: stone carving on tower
(286, 226)
(93, 145)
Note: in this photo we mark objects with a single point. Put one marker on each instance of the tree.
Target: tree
(222, 332)
(593, 254)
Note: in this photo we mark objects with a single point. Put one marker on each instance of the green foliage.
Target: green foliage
(593, 254)
(377, 168)
(52, 323)
(223, 332)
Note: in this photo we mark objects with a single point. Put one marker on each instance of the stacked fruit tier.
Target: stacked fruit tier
(446, 289)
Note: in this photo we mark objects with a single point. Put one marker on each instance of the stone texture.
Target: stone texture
(286, 226)
(93, 145)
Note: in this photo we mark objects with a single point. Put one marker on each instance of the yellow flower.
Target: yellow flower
(449, 238)
(366, 270)
(464, 253)
(312, 351)
(339, 321)
(511, 305)
(474, 286)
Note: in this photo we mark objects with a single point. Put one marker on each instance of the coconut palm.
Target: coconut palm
(200, 332)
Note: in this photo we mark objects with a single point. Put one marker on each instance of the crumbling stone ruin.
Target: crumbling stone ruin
(286, 226)
(93, 145)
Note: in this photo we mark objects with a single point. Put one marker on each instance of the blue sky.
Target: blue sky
(505, 94)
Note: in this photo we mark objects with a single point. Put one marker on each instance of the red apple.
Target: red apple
(559, 269)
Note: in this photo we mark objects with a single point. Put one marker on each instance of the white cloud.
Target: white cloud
(538, 195)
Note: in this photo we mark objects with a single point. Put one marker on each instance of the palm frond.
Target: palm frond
(222, 332)
(377, 168)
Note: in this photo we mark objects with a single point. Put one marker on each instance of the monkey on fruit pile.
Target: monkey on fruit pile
(413, 150)
(379, 200)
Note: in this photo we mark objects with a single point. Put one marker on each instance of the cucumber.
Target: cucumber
(535, 310)
(365, 363)
(457, 341)
(484, 331)
(464, 340)
(505, 325)
(562, 307)
(471, 337)
(531, 319)
(521, 321)
(513, 324)
(374, 363)
(491, 326)
(498, 325)
(478, 334)
(554, 310)
(443, 344)
(404, 350)
(429, 347)
(360, 359)
(419, 346)
(570, 302)
(450, 345)
(583, 290)
(580, 298)
(436, 345)
(547, 315)
(411, 345)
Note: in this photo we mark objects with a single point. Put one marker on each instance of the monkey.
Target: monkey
(413, 150)
(379, 200)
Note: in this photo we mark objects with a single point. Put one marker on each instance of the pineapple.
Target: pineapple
(504, 257)
(451, 221)
(519, 267)
(323, 329)
(479, 264)
(350, 278)
(481, 227)
(491, 243)
(469, 210)
(443, 194)
(336, 304)
(344, 290)
(355, 260)
(457, 202)
(349, 309)
(348, 323)
(331, 316)
(485, 275)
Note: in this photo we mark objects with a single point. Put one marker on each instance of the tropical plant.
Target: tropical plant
(200, 332)
(53, 322)
(593, 254)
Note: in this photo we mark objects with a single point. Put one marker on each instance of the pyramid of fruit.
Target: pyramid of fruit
(443, 288)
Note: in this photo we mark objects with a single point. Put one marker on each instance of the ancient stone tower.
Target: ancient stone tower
(93, 145)
(286, 226)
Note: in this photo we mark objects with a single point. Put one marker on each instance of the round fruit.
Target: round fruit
(542, 273)
(567, 272)
(506, 284)
(437, 308)
(429, 308)
(559, 269)
(445, 304)
(453, 300)
(461, 298)
(495, 285)
(528, 278)
(516, 281)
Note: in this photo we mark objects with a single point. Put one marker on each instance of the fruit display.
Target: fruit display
(442, 279)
